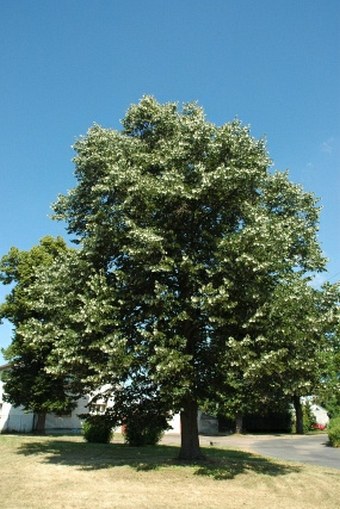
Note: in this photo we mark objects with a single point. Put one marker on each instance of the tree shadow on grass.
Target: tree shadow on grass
(223, 464)
(220, 464)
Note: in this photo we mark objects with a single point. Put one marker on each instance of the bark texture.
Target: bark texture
(239, 423)
(190, 447)
(298, 415)
(39, 422)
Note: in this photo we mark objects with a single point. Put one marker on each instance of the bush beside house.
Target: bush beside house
(333, 431)
(98, 429)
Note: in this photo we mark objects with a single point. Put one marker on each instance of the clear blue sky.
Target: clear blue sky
(65, 64)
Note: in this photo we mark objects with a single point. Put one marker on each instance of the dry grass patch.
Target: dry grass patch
(66, 472)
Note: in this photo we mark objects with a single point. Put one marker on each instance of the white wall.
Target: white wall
(175, 424)
(13, 419)
(207, 425)
(67, 422)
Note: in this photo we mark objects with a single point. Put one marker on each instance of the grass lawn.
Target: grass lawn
(66, 472)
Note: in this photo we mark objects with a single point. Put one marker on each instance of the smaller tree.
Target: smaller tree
(329, 392)
(297, 340)
(309, 419)
(27, 382)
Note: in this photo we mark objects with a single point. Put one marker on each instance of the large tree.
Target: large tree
(189, 232)
(27, 382)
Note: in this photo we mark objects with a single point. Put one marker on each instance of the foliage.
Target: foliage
(329, 392)
(333, 431)
(98, 429)
(73, 301)
(140, 410)
(330, 400)
(20, 268)
(27, 382)
(309, 419)
(144, 429)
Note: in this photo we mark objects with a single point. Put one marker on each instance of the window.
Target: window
(98, 408)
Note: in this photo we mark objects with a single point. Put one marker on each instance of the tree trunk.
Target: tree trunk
(39, 423)
(190, 447)
(298, 415)
(239, 423)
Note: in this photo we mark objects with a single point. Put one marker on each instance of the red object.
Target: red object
(319, 426)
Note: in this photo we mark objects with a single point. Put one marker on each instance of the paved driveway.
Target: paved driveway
(312, 449)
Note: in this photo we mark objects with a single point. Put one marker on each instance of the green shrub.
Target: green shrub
(333, 431)
(144, 429)
(309, 419)
(98, 429)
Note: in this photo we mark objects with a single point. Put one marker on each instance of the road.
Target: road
(311, 449)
